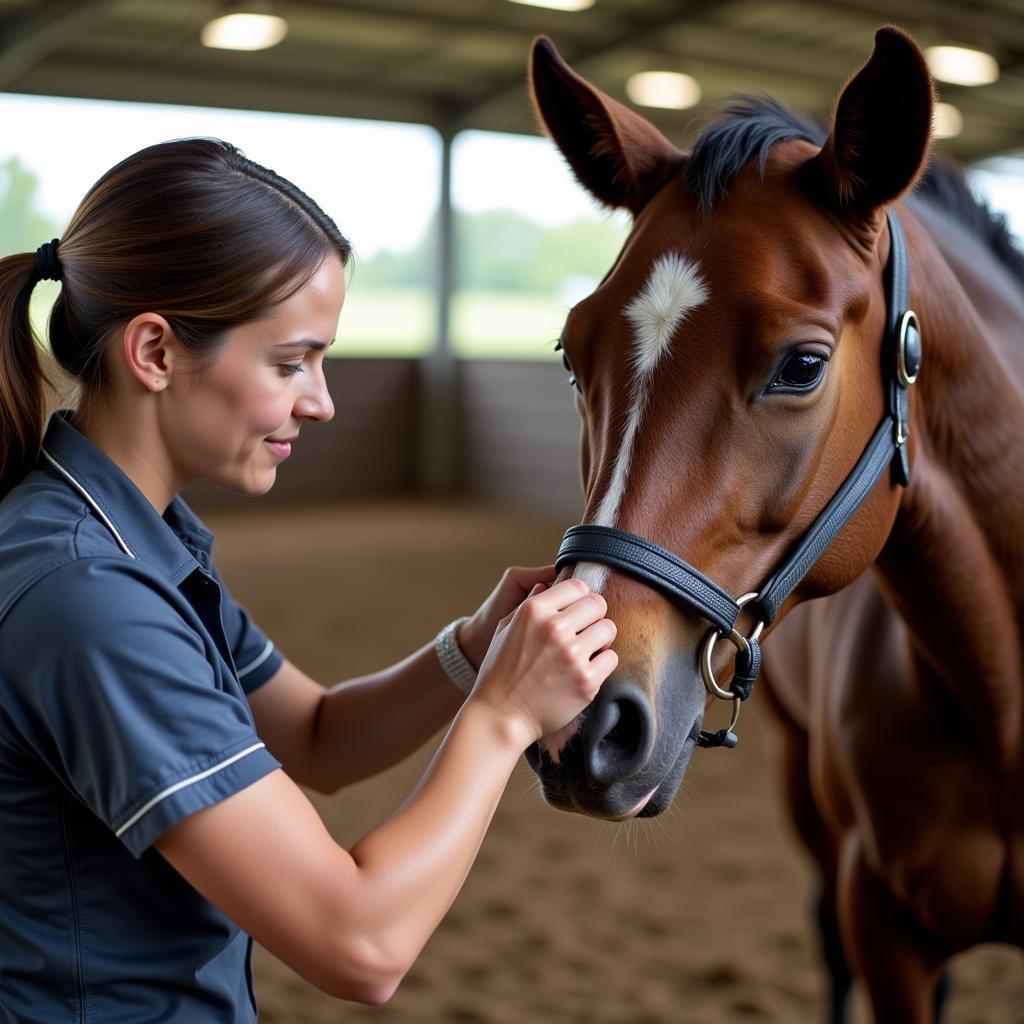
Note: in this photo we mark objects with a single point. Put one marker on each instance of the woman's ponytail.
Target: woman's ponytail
(22, 381)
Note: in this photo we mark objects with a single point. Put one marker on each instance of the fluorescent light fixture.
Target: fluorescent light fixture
(244, 31)
(668, 89)
(948, 122)
(558, 5)
(961, 66)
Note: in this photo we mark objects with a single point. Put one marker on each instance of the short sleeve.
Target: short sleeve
(114, 685)
(256, 658)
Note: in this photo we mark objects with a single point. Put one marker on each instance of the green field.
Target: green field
(496, 325)
(401, 322)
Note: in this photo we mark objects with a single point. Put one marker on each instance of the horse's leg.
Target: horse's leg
(898, 962)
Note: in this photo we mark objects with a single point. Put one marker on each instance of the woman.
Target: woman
(152, 740)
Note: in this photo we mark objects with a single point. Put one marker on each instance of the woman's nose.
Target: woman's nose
(315, 403)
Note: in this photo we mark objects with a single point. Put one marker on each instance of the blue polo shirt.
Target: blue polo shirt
(124, 669)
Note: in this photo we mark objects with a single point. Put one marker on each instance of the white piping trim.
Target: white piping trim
(253, 665)
(170, 790)
(89, 498)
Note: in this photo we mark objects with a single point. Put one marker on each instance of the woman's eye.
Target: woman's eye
(291, 368)
(800, 372)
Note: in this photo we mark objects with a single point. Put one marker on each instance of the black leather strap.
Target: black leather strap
(897, 288)
(651, 564)
(836, 514)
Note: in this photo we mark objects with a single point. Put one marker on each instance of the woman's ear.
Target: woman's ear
(881, 127)
(150, 350)
(618, 156)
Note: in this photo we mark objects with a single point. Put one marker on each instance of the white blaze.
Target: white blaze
(672, 290)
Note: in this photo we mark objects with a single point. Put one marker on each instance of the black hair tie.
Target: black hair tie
(47, 266)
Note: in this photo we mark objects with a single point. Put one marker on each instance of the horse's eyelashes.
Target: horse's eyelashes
(573, 382)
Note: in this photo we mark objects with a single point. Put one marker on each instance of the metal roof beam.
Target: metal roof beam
(634, 32)
(27, 39)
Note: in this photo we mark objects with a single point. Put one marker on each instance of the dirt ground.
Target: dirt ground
(696, 917)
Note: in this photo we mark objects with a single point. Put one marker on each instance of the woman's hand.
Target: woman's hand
(548, 659)
(515, 585)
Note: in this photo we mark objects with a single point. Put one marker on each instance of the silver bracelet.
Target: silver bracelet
(453, 659)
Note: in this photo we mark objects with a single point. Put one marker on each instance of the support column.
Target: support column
(437, 420)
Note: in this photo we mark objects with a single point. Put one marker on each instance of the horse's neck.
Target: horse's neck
(996, 294)
(955, 559)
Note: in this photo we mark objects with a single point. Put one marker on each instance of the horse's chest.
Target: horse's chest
(928, 814)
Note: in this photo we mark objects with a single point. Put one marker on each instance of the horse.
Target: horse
(802, 381)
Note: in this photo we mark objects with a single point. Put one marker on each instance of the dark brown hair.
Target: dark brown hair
(192, 230)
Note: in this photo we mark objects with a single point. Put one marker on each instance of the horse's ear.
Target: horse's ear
(881, 126)
(617, 155)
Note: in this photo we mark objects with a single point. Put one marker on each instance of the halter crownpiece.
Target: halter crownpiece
(47, 267)
(664, 571)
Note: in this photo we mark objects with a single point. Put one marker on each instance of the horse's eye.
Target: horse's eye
(800, 372)
(573, 382)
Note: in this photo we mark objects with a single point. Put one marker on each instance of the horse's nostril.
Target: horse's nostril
(618, 733)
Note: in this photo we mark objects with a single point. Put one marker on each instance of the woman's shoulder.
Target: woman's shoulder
(52, 543)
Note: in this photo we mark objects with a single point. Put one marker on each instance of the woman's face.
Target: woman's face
(234, 422)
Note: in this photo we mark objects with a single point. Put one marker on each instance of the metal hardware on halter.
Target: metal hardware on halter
(745, 645)
(908, 353)
(739, 641)
(908, 366)
(651, 564)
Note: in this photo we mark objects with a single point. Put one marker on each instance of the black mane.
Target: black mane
(751, 125)
(748, 128)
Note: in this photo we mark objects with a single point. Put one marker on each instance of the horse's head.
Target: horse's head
(729, 373)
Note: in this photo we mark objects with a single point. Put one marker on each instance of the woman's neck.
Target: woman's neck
(126, 434)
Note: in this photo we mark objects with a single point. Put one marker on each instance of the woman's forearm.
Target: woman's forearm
(370, 723)
(420, 856)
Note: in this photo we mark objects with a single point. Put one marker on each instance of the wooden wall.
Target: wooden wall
(519, 435)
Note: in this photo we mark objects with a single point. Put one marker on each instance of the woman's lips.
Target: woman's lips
(281, 448)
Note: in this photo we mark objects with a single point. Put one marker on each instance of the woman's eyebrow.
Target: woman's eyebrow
(312, 343)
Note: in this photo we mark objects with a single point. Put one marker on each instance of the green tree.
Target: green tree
(23, 227)
(502, 250)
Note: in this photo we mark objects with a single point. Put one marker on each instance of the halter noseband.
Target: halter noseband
(664, 571)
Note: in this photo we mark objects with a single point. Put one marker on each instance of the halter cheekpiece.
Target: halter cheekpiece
(664, 571)
(47, 266)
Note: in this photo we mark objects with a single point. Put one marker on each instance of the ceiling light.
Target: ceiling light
(961, 66)
(558, 5)
(948, 122)
(663, 89)
(244, 31)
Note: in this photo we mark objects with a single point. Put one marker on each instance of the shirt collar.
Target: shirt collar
(175, 545)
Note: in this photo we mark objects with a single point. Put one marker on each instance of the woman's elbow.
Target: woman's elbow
(362, 976)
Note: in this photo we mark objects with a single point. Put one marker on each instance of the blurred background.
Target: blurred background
(454, 447)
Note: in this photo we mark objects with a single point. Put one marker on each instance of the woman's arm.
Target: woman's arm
(326, 739)
(329, 738)
(352, 923)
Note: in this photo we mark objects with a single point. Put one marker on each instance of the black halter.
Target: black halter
(901, 354)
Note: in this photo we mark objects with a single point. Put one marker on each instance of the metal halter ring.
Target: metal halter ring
(908, 351)
(740, 642)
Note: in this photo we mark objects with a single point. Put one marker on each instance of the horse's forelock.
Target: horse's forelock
(748, 129)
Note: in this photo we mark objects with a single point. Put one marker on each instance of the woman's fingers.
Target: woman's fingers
(595, 637)
(561, 595)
